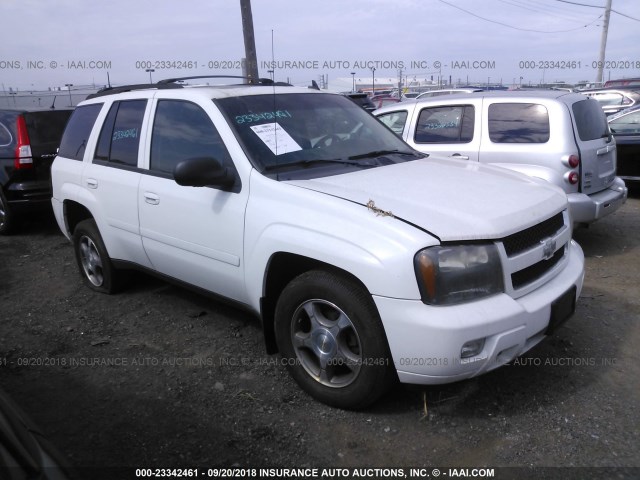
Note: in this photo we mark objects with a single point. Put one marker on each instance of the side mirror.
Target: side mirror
(202, 172)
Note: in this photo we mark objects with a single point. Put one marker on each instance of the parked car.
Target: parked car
(361, 99)
(409, 95)
(625, 127)
(28, 144)
(623, 82)
(614, 99)
(557, 136)
(25, 453)
(447, 91)
(365, 261)
(380, 101)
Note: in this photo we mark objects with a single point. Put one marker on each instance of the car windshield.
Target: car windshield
(286, 132)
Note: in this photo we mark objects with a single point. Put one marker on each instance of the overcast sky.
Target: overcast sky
(51, 43)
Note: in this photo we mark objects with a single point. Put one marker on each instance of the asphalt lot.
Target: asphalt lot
(160, 377)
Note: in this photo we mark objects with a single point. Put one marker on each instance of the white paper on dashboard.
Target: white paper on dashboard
(276, 138)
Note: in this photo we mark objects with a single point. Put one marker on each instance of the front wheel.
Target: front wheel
(331, 338)
(94, 263)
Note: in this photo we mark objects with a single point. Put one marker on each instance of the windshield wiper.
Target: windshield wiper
(306, 163)
(379, 153)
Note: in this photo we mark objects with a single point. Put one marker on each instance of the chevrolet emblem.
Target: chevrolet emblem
(548, 248)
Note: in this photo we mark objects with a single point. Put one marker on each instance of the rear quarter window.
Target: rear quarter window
(518, 123)
(76, 134)
(591, 121)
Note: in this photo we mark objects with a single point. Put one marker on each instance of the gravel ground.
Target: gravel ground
(159, 377)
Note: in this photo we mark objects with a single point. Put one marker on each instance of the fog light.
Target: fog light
(472, 348)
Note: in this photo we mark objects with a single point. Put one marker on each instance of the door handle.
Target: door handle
(461, 157)
(605, 150)
(151, 198)
(92, 183)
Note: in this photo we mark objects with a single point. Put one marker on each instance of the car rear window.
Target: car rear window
(518, 123)
(76, 135)
(591, 121)
(5, 136)
(45, 130)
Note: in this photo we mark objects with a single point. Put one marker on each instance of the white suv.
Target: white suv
(365, 260)
(560, 137)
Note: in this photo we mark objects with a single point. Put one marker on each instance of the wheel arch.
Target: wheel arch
(283, 267)
(74, 213)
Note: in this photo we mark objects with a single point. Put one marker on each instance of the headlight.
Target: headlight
(459, 273)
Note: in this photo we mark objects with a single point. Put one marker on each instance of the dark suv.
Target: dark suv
(28, 144)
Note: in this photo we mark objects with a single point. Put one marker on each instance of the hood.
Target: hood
(451, 199)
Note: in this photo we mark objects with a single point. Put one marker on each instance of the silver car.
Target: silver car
(614, 99)
(560, 137)
(451, 91)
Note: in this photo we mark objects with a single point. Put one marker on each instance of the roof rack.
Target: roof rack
(251, 81)
(129, 88)
(170, 83)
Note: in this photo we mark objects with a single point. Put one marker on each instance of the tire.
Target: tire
(332, 341)
(94, 263)
(6, 216)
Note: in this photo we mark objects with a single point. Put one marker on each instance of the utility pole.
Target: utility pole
(603, 41)
(251, 58)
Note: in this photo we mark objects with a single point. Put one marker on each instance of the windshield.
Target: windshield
(286, 132)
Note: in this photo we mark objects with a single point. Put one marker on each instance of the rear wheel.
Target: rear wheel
(94, 263)
(6, 217)
(332, 341)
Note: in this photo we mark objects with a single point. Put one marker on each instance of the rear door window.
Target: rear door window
(518, 123)
(76, 134)
(120, 136)
(448, 124)
(591, 121)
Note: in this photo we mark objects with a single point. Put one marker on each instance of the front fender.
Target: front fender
(377, 250)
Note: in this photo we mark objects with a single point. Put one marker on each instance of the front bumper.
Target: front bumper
(589, 208)
(426, 341)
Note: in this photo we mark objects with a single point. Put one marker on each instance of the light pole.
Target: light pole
(150, 70)
(69, 85)
(373, 81)
(353, 83)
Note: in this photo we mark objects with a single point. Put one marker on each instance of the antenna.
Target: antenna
(273, 67)
(53, 105)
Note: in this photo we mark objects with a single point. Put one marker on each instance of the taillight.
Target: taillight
(23, 157)
(572, 177)
(573, 161)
